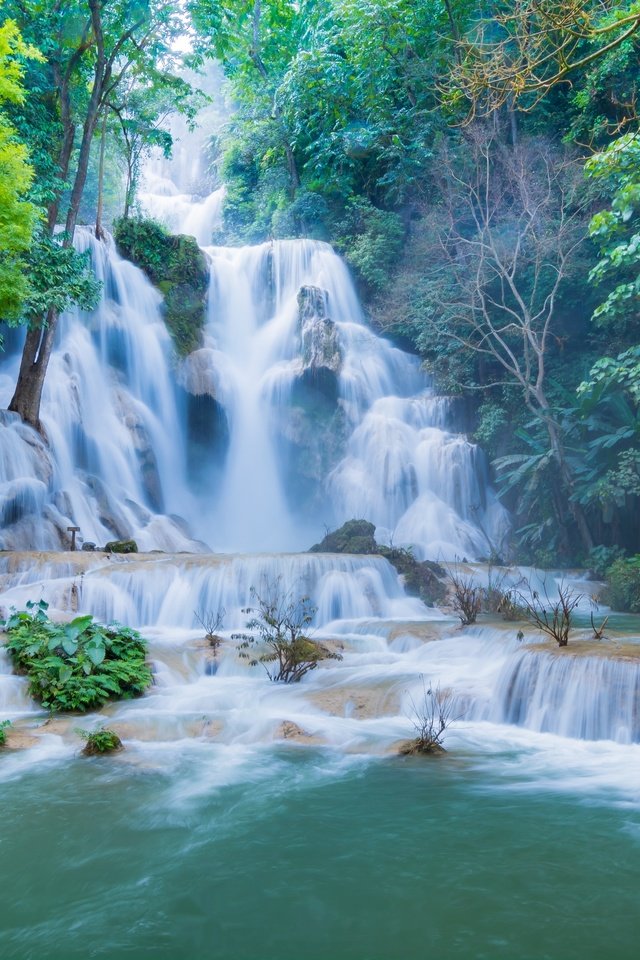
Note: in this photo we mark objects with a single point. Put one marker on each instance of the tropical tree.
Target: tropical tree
(91, 46)
(505, 242)
(17, 213)
(514, 54)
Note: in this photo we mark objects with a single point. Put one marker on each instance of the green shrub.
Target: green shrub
(600, 558)
(100, 741)
(371, 240)
(3, 731)
(279, 628)
(78, 665)
(623, 588)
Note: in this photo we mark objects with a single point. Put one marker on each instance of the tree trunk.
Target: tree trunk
(33, 367)
(100, 203)
(576, 510)
(36, 354)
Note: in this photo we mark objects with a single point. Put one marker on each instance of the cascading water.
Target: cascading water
(326, 421)
(114, 459)
(319, 420)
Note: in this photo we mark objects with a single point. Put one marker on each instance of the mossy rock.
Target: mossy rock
(178, 268)
(121, 546)
(100, 742)
(421, 748)
(422, 579)
(354, 536)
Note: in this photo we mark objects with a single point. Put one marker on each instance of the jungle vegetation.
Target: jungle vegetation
(477, 164)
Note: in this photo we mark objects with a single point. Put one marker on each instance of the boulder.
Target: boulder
(320, 347)
(354, 536)
(121, 546)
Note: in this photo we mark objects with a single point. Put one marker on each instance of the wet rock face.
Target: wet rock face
(320, 347)
(145, 453)
(197, 373)
(207, 420)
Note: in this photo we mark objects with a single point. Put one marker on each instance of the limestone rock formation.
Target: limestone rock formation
(320, 346)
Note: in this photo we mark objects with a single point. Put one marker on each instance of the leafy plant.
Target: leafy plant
(100, 741)
(623, 589)
(3, 728)
(77, 665)
(279, 628)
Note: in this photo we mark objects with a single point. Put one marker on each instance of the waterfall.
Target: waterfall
(585, 697)
(292, 417)
(114, 458)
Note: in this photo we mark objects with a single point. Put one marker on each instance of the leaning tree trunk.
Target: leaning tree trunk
(100, 204)
(36, 354)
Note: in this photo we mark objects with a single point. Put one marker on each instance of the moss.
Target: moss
(121, 546)
(421, 748)
(178, 268)
(354, 536)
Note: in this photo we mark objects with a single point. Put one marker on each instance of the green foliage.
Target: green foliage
(59, 278)
(78, 665)
(279, 632)
(616, 231)
(601, 558)
(371, 240)
(17, 213)
(100, 741)
(4, 724)
(623, 589)
(177, 266)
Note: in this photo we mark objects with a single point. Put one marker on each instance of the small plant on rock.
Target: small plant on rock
(212, 624)
(431, 717)
(553, 616)
(278, 636)
(4, 724)
(467, 596)
(100, 741)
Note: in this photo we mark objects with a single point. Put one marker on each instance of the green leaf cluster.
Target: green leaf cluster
(17, 213)
(78, 665)
(623, 589)
(3, 731)
(100, 741)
